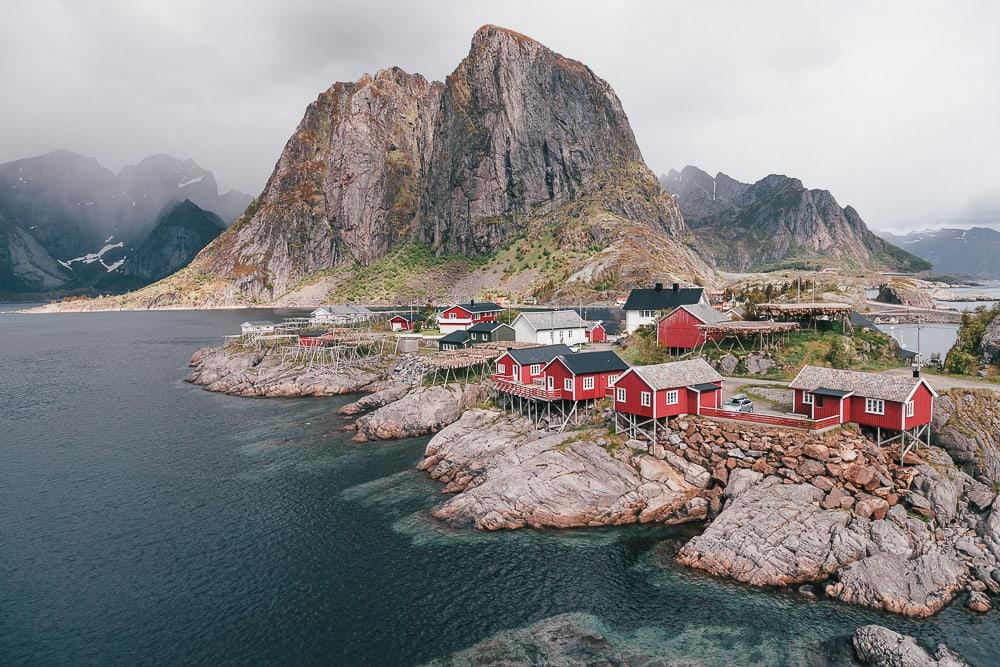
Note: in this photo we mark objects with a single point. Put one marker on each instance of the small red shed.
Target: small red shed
(401, 323)
(583, 376)
(879, 400)
(647, 395)
(680, 329)
(595, 332)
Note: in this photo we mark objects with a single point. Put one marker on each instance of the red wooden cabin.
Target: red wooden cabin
(680, 329)
(595, 332)
(524, 366)
(647, 395)
(461, 316)
(584, 376)
(879, 400)
(311, 338)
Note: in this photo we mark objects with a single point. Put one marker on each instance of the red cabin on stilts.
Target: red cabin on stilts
(645, 396)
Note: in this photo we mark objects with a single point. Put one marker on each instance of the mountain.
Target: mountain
(974, 252)
(520, 172)
(778, 223)
(64, 216)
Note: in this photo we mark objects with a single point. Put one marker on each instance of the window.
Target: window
(910, 409)
(874, 406)
(535, 369)
(807, 398)
(646, 399)
(612, 379)
(501, 368)
(568, 384)
(451, 316)
(648, 313)
(673, 397)
(819, 401)
(620, 395)
(588, 383)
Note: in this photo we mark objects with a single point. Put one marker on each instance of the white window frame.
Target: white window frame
(620, 395)
(452, 316)
(535, 369)
(673, 397)
(502, 369)
(568, 384)
(807, 398)
(612, 379)
(875, 406)
(588, 382)
(911, 409)
(645, 398)
(648, 313)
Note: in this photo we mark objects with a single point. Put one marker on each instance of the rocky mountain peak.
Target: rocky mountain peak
(518, 139)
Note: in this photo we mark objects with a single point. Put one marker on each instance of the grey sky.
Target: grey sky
(892, 106)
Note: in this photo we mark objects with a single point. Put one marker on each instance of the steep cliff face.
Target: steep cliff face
(180, 234)
(777, 222)
(518, 143)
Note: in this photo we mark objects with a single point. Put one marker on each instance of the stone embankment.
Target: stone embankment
(508, 475)
(260, 373)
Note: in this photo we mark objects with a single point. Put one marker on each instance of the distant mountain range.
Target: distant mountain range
(69, 225)
(777, 223)
(973, 252)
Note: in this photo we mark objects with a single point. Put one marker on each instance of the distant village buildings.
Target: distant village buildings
(644, 306)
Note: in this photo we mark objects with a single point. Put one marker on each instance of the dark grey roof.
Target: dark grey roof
(487, 327)
(455, 337)
(539, 355)
(583, 363)
(705, 386)
(662, 299)
(705, 314)
(262, 323)
(836, 393)
(479, 306)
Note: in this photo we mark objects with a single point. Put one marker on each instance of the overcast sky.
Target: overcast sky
(893, 106)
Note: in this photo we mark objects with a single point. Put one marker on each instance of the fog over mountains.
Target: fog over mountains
(973, 252)
(67, 224)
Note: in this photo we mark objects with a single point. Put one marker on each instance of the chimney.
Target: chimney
(659, 287)
(677, 286)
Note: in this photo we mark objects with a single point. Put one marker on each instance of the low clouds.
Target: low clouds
(892, 105)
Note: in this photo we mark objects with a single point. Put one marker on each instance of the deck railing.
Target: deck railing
(536, 391)
(773, 420)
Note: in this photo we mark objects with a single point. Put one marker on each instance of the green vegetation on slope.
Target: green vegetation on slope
(964, 356)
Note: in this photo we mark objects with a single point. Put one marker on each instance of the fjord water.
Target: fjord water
(143, 520)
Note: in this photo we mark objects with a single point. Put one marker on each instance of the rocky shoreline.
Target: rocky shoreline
(831, 515)
(834, 515)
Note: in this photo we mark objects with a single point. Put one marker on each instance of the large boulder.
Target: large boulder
(232, 370)
(917, 587)
(421, 411)
(878, 646)
(511, 476)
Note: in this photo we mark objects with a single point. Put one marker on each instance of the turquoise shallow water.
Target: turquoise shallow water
(147, 521)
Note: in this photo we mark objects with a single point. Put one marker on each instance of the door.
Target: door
(551, 383)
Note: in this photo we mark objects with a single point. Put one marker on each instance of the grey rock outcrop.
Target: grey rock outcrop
(420, 411)
(967, 425)
(258, 374)
(518, 139)
(878, 646)
(509, 476)
(376, 399)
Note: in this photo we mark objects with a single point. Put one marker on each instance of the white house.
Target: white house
(346, 314)
(550, 327)
(644, 306)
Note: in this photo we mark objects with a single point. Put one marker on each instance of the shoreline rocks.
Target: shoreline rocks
(878, 646)
(382, 396)
(418, 412)
(263, 374)
(509, 476)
